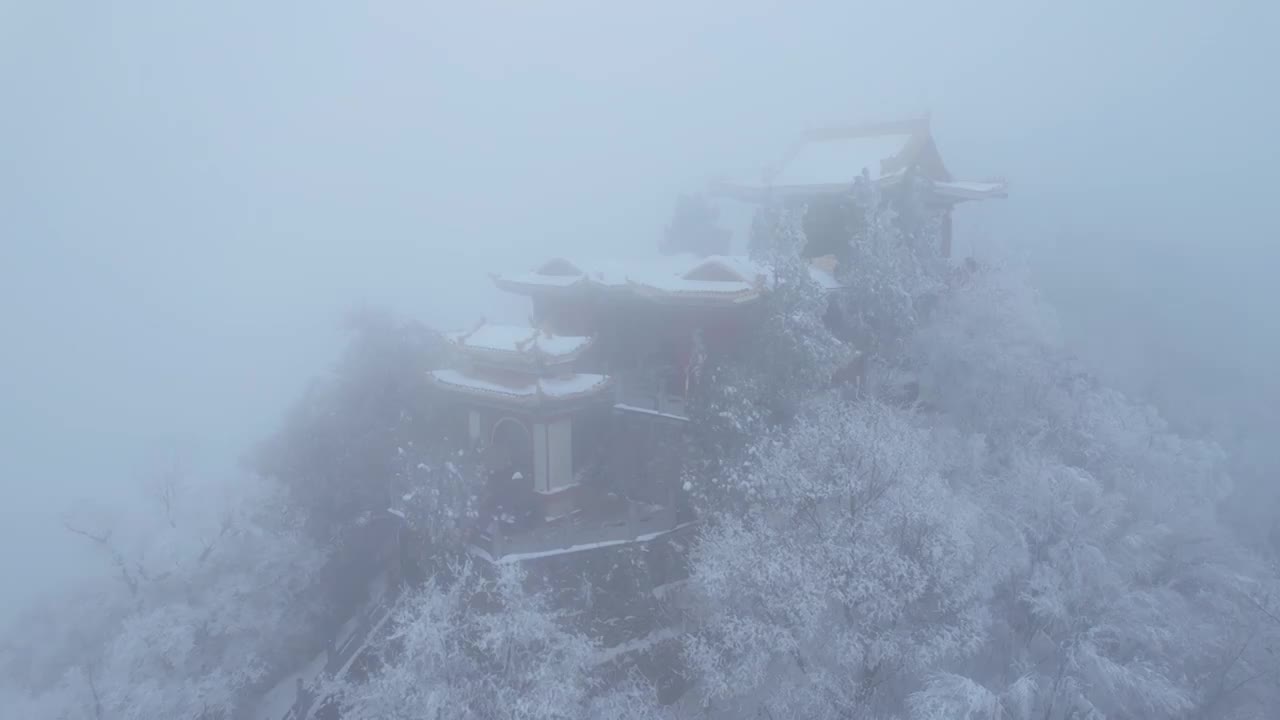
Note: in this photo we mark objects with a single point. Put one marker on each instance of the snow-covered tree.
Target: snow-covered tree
(76, 622)
(215, 603)
(1123, 595)
(891, 269)
(852, 569)
(1073, 539)
(362, 440)
(790, 356)
(475, 646)
(792, 347)
(343, 444)
(440, 495)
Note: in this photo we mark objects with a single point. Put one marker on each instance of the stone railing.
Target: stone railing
(650, 395)
(637, 522)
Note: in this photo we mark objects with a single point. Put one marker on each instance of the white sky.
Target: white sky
(191, 192)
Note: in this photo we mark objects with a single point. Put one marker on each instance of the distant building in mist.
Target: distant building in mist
(821, 167)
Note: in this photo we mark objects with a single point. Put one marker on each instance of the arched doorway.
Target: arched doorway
(511, 462)
(512, 445)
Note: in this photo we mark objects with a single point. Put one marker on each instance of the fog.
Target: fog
(191, 194)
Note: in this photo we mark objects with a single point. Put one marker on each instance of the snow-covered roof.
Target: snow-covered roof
(522, 390)
(737, 268)
(537, 281)
(679, 289)
(520, 343)
(970, 190)
(681, 279)
(835, 157)
(841, 159)
(824, 276)
(828, 161)
(724, 279)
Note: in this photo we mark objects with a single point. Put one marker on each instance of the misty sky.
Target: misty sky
(191, 193)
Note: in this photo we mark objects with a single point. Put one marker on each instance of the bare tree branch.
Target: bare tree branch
(103, 540)
(223, 529)
(166, 485)
(93, 689)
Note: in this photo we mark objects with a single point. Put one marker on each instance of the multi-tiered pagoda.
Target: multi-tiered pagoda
(523, 395)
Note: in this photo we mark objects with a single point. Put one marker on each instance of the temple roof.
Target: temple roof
(822, 270)
(525, 390)
(829, 160)
(832, 156)
(970, 190)
(682, 290)
(718, 279)
(520, 344)
(682, 279)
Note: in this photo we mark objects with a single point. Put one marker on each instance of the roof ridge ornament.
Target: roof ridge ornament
(467, 335)
(530, 341)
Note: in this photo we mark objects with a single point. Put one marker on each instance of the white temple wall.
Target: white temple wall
(541, 469)
(560, 449)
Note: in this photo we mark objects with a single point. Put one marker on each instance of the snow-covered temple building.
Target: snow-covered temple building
(523, 393)
(571, 410)
(576, 411)
(824, 163)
